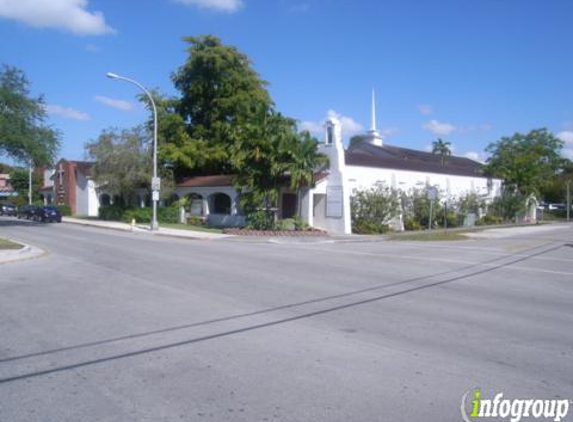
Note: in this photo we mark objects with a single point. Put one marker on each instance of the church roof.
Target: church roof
(215, 180)
(391, 157)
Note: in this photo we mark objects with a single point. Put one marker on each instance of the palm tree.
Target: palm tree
(266, 152)
(442, 148)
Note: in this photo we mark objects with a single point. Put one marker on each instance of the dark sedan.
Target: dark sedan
(48, 214)
(28, 212)
(8, 209)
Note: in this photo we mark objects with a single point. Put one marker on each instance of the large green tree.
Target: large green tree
(220, 90)
(24, 134)
(526, 162)
(123, 162)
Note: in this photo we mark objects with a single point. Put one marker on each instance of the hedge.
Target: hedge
(140, 215)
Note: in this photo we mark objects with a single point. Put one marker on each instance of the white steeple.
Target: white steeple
(373, 136)
(373, 113)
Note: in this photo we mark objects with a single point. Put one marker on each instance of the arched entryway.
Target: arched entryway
(104, 200)
(220, 203)
(196, 205)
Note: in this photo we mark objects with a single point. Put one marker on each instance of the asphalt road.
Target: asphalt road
(113, 326)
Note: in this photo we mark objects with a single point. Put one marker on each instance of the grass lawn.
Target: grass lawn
(435, 235)
(190, 227)
(6, 244)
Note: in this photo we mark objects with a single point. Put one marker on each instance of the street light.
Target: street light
(155, 181)
(568, 199)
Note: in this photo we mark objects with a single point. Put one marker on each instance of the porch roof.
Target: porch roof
(216, 180)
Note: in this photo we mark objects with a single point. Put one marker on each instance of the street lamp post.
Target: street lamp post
(155, 181)
(30, 183)
(568, 200)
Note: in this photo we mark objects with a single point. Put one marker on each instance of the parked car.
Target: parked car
(557, 207)
(48, 214)
(28, 212)
(8, 208)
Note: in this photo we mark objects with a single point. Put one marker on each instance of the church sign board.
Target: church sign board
(334, 201)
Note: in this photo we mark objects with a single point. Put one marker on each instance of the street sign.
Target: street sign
(432, 193)
(155, 195)
(155, 184)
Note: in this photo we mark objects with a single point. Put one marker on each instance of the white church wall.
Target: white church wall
(332, 208)
(450, 186)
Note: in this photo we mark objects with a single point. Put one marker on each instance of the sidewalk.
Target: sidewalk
(115, 225)
(23, 254)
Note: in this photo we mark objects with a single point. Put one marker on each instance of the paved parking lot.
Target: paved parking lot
(113, 326)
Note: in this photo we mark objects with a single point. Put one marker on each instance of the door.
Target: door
(288, 205)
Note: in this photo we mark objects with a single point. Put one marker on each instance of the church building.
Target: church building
(360, 167)
(371, 163)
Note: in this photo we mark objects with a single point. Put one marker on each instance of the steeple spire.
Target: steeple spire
(373, 113)
(372, 136)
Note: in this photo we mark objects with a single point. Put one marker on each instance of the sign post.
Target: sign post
(432, 196)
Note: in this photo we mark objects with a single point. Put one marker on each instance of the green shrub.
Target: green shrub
(412, 224)
(195, 221)
(367, 226)
(65, 210)
(372, 209)
(451, 218)
(299, 223)
(140, 215)
(168, 214)
(111, 213)
(487, 220)
(285, 224)
(261, 220)
(416, 207)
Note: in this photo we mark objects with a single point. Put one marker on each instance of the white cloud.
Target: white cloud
(439, 128)
(567, 153)
(312, 127)
(348, 124)
(425, 109)
(566, 136)
(228, 6)
(111, 102)
(68, 113)
(68, 15)
(299, 8)
(476, 156)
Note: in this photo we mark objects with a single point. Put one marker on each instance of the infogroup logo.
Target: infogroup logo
(513, 409)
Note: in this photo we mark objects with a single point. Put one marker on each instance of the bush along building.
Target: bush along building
(325, 205)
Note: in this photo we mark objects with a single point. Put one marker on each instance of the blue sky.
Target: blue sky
(468, 71)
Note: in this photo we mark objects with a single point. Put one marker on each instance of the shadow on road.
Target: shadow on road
(430, 285)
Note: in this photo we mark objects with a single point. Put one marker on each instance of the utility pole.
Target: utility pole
(30, 183)
(568, 200)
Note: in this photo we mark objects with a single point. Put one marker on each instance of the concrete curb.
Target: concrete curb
(124, 227)
(27, 252)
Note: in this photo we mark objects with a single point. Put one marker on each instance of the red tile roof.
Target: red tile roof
(207, 181)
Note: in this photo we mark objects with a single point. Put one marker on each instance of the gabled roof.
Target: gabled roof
(216, 180)
(391, 157)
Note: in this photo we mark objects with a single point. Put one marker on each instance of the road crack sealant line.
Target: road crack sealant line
(259, 312)
(271, 323)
